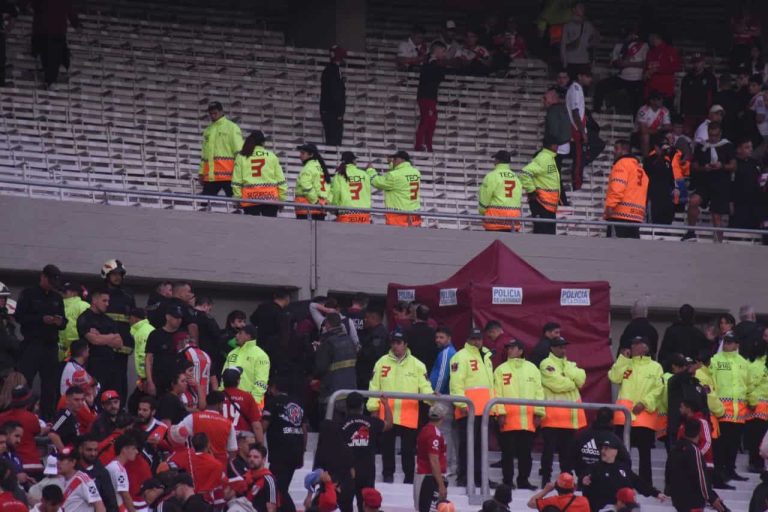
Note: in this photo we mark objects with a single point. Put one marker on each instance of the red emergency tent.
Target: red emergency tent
(497, 284)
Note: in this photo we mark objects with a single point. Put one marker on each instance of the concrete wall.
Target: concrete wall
(237, 252)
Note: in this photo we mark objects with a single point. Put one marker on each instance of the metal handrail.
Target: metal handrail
(332, 208)
(484, 487)
(432, 398)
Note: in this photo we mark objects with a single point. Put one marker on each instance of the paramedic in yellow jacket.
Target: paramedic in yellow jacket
(472, 377)
(258, 175)
(517, 378)
(399, 371)
(561, 380)
(222, 140)
(640, 390)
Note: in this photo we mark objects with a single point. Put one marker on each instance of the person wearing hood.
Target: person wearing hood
(683, 337)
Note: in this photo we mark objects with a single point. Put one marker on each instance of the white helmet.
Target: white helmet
(112, 266)
(4, 290)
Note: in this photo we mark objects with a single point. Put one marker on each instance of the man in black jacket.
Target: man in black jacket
(682, 337)
(682, 385)
(640, 326)
(551, 331)
(40, 312)
(749, 333)
(374, 343)
(121, 302)
(333, 97)
(688, 483)
(585, 449)
(210, 340)
(335, 361)
(273, 322)
(421, 338)
(90, 465)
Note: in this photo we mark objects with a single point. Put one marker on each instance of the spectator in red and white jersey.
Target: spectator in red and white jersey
(154, 430)
(452, 44)
(262, 487)
(8, 500)
(574, 103)
(651, 118)
(126, 451)
(413, 52)
(89, 463)
(208, 473)
(473, 58)
(629, 58)
(22, 404)
(691, 409)
(66, 427)
(201, 369)
(697, 92)
(74, 372)
(662, 63)
(220, 432)
(240, 407)
(80, 493)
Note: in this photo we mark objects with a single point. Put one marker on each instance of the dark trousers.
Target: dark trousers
(641, 438)
(579, 159)
(556, 439)
(726, 447)
(42, 358)
(628, 231)
(407, 450)
(559, 163)
(355, 491)
(516, 444)
(264, 210)
(462, 469)
(614, 84)
(427, 124)
(212, 188)
(283, 476)
(333, 127)
(2, 59)
(53, 54)
(754, 430)
(541, 228)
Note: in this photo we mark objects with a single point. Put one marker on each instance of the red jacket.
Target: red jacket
(705, 439)
(663, 62)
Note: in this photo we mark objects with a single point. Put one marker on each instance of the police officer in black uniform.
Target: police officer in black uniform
(121, 302)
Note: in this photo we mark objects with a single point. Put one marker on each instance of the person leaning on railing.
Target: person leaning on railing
(401, 186)
(351, 187)
(313, 183)
(258, 175)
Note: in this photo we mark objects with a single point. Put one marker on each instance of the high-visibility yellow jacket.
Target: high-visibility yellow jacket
(501, 189)
(472, 376)
(255, 368)
(310, 185)
(355, 191)
(518, 378)
(640, 380)
(140, 332)
(258, 176)
(401, 187)
(407, 375)
(757, 395)
(704, 374)
(73, 308)
(542, 178)
(662, 409)
(627, 190)
(222, 141)
(731, 374)
(562, 380)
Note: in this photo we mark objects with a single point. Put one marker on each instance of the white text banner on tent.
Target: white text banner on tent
(408, 295)
(575, 297)
(448, 297)
(506, 295)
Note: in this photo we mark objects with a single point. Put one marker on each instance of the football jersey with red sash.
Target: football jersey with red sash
(80, 493)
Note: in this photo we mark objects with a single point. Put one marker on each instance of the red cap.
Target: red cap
(565, 481)
(109, 395)
(626, 495)
(371, 497)
(338, 52)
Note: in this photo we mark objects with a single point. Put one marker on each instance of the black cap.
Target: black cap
(397, 336)
(138, 313)
(559, 342)
(308, 147)
(611, 443)
(251, 331)
(174, 311)
(551, 326)
(475, 334)
(183, 478)
(67, 453)
(52, 272)
(514, 343)
(355, 400)
(348, 156)
(730, 337)
(152, 483)
(502, 156)
(639, 339)
(679, 360)
(215, 105)
(70, 286)
(403, 155)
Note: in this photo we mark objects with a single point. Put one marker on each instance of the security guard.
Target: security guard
(541, 181)
(518, 378)
(74, 306)
(627, 193)
(222, 141)
(121, 302)
(561, 380)
(351, 187)
(472, 377)
(252, 363)
(140, 330)
(500, 195)
(258, 175)
(313, 183)
(402, 190)
(640, 390)
(399, 371)
(731, 374)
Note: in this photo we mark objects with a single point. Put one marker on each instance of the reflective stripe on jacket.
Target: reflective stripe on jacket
(73, 308)
(730, 372)
(401, 187)
(310, 184)
(255, 364)
(562, 380)
(407, 375)
(472, 377)
(542, 178)
(258, 176)
(627, 190)
(641, 382)
(518, 378)
(222, 141)
(354, 191)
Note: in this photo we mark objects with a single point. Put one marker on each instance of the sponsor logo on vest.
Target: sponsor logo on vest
(448, 297)
(574, 297)
(506, 295)
(406, 295)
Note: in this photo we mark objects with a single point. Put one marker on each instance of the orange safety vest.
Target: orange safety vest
(353, 217)
(680, 168)
(557, 417)
(314, 213)
(403, 220)
(496, 224)
(644, 419)
(735, 410)
(222, 169)
(760, 411)
(627, 190)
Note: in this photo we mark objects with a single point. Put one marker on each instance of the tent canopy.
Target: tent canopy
(499, 285)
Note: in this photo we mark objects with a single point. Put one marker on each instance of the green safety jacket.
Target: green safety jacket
(73, 308)
(259, 176)
(501, 188)
(542, 178)
(401, 187)
(254, 363)
(222, 141)
(140, 332)
(354, 192)
(310, 185)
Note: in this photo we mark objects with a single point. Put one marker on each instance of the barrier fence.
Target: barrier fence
(102, 195)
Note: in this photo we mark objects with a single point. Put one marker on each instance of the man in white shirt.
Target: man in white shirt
(126, 451)
(574, 103)
(629, 58)
(716, 113)
(579, 37)
(412, 52)
(759, 105)
(651, 118)
(80, 493)
(451, 41)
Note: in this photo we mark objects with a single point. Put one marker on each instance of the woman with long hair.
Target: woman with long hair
(757, 414)
(11, 381)
(351, 187)
(313, 182)
(258, 175)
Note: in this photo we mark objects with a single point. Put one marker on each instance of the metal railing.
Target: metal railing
(206, 201)
(451, 399)
(485, 422)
